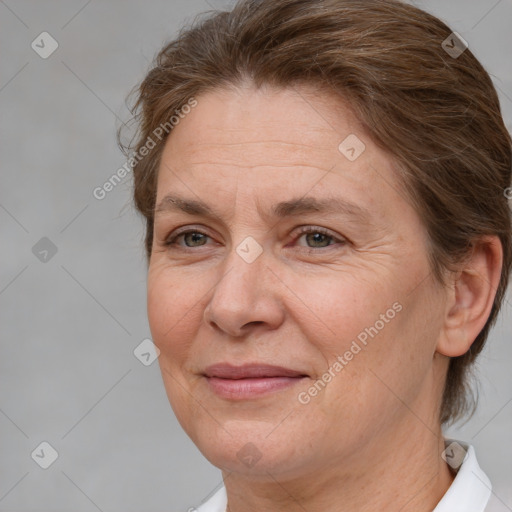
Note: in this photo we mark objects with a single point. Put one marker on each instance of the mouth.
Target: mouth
(250, 380)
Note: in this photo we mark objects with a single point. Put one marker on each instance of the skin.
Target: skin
(371, 438)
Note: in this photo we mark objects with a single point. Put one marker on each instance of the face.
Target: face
(289, 289)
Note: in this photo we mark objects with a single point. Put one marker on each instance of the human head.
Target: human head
(438, 116)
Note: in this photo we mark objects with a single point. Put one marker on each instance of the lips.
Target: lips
(250, 380)
(249, 371)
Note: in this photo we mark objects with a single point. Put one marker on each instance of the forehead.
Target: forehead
(264, 123)
(293, 138)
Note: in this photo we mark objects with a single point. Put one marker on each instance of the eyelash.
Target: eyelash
(304, 230)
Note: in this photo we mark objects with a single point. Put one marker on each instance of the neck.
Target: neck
(401, 471)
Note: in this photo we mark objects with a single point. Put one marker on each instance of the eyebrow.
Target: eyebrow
(283, 209)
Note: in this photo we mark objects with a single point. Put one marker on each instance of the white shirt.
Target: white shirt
(469, 492)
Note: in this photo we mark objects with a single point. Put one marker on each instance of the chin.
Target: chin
(245, 447)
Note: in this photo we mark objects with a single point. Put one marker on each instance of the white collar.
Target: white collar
(471, 489)
(217, 503)
(469, 492)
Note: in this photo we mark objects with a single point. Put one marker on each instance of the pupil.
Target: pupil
(194, 237)
(317, 239)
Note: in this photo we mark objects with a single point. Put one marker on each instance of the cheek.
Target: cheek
(173, 309)
(383, 333)
(392, 365)
(173, 319)
(334, 312)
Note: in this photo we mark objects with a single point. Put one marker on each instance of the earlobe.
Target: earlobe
(471, 297)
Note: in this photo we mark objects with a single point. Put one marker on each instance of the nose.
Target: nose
(246, 297)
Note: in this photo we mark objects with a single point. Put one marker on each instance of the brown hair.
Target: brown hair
(437, 114)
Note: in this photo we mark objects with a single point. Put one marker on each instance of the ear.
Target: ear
(470, 297)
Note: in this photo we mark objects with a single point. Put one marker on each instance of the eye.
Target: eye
(313, 237)
(191, 238)
(317, 237)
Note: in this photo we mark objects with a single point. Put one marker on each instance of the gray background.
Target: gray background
(69, 325)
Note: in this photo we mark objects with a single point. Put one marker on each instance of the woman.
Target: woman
(329, 243)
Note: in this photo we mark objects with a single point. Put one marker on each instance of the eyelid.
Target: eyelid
(310, 228)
